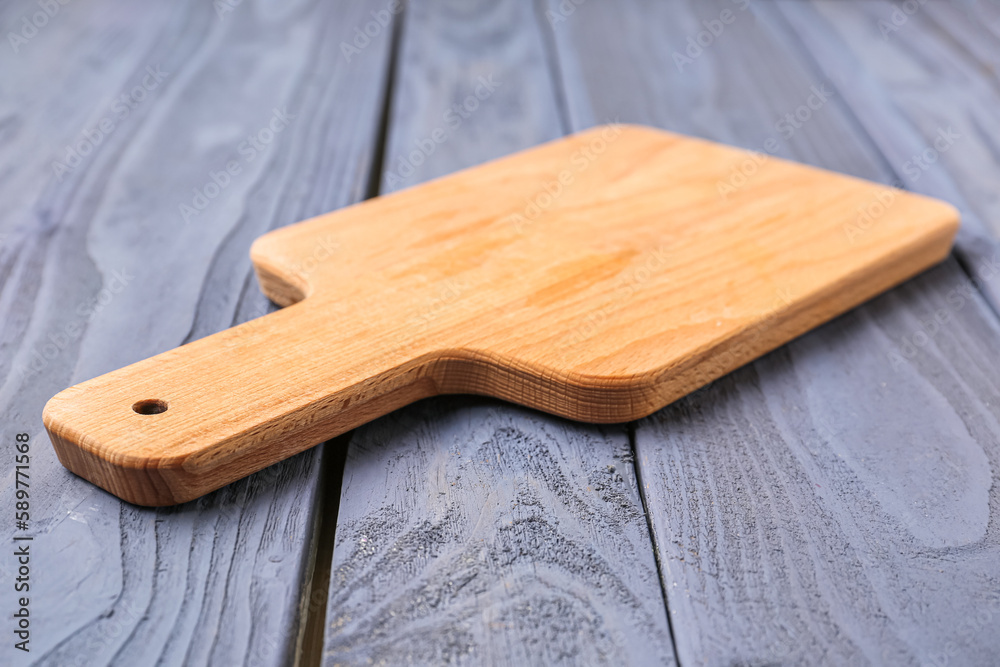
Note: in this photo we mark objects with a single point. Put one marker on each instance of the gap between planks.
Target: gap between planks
(314, 602)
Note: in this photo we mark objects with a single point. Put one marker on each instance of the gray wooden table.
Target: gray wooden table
(832, 503)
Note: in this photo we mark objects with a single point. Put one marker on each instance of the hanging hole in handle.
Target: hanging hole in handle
(150, 406)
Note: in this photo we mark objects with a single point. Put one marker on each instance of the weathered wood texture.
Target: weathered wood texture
(470, 531)
(100, 269)
(835, 502)
(922, 85)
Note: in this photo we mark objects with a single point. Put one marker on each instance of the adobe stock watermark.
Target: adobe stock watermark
(704, 39)
(984, 619)
(757, 336)
(956, 299)
(58, 341)
(30, 26)
(363, 35)
(899, 16)
(786, 126)
(223, 7)
(562, 12)
(447, 295)
(871, 211)
(249, 149)
(914, 167)
(121, 107)
(250, 328)
(406, 165)
(626, 287)
(925, 159)
(322, 250)
(550, 191)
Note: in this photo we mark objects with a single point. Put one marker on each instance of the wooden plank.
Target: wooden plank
(471, 531)
(834, 502)
(922, 85)
(479, 533)
(100, 268)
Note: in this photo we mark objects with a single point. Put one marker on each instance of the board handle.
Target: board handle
(173, 427)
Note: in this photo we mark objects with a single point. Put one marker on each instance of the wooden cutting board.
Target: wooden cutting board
(598, 277)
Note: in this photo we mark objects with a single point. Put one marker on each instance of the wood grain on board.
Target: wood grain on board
(634, 227)
(471, 531)
(101, 266)
(834, 502)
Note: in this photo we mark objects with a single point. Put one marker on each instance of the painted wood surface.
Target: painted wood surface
(471, 531)
(832, 503)
(101, 267)
(921, 83)
(835, 502)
